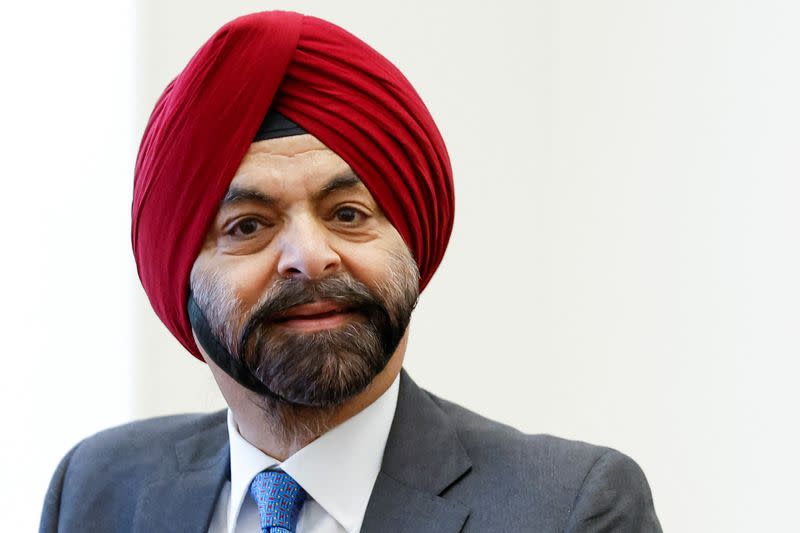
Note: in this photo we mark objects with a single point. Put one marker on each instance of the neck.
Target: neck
(280, 430)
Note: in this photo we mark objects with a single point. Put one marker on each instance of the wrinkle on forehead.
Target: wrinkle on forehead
(289, 158)
(269, 154)
(299, 149)
(288, 146)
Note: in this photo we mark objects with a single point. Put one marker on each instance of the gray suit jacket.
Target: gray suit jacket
(445, 470)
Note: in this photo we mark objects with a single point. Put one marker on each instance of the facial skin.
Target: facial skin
(313, 289)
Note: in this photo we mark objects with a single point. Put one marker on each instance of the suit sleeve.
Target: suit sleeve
(52, 501)
(614, 497)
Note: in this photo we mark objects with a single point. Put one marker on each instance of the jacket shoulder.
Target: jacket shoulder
(98, 482)
(137, 450)
(487, 440)
(546, 482)
(147, 436)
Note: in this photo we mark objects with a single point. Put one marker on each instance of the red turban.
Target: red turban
(318, 75)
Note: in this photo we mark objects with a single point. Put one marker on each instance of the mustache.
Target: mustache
(288, 293)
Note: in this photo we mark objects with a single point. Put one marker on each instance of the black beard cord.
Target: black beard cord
(220, 355)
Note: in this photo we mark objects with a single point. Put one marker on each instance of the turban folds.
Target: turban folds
(318, 75)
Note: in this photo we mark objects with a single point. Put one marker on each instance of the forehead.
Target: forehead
(290, 166)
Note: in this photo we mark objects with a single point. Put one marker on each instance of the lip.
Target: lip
(317, 323)
(315, 316)
(307, 311)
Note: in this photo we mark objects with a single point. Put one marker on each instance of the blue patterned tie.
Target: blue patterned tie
(279, 498)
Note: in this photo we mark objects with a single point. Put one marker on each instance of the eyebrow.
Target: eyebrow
(348, 180)
(242, 194)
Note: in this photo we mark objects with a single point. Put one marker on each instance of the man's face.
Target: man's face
(302, 277)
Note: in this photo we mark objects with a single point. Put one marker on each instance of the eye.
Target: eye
(348, 215)
(245, 227)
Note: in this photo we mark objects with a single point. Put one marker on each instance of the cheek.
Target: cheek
(368, 263)
(250, 276)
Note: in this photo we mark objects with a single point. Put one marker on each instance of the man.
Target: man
(292, 198)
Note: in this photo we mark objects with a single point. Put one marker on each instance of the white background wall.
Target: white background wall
(623, 268)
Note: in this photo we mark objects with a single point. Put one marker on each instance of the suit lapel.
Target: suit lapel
(423, 457)
(184, 500)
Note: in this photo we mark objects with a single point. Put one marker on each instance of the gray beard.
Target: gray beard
(314, 371)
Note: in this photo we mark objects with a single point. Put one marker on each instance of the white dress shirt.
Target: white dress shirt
(337, 470)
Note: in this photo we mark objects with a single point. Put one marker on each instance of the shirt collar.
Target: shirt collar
(338, 469)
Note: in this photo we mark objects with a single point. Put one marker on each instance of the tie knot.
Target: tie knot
(279, 498)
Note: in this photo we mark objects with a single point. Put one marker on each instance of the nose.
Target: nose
(305, 250)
